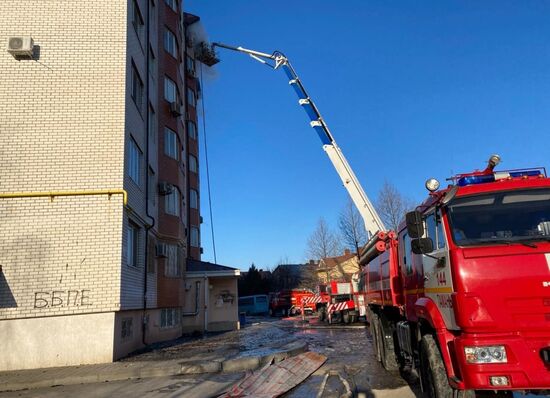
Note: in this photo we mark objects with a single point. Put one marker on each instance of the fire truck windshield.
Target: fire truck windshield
(500, 217)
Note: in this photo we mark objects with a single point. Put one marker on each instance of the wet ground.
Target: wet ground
(350, 364)
(350, 369)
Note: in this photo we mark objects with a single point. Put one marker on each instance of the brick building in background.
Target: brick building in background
(99, 186)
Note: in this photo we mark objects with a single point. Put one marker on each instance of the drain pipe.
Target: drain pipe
(206, 296)
(197, 290)
(147, 144)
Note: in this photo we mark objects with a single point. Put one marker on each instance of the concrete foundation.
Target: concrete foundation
(56, 341)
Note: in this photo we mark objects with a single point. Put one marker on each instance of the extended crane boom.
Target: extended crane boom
(373, 223)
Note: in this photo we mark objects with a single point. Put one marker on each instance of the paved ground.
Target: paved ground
(350, 360)
(350, 366)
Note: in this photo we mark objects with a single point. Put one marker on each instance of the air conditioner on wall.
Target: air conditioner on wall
(20, 46)
(176, 109)
(161, 250)
(165, 188)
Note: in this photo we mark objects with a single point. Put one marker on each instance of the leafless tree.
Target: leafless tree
(323, 242)
(392, 205)
(352, 227)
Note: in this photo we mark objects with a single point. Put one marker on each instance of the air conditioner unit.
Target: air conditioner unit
(176, 109)
(161, 250)
(165, 188)
(20, 46)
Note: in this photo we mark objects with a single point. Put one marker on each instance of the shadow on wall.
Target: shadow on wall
(6, 297)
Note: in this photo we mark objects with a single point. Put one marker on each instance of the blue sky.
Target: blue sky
(409, 89)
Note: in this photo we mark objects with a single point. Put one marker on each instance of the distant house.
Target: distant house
(340, 268)
(294, 276)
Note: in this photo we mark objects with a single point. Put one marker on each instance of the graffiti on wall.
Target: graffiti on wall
(62, 298)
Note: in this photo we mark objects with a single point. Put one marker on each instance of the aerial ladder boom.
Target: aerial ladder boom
(373, 223)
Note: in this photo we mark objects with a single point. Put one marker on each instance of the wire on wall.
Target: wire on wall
(207, 168)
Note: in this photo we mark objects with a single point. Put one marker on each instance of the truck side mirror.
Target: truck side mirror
(415, 224)
(422, 245)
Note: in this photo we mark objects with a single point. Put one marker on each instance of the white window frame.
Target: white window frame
(137, 19)
(170, 43)
(132, 244)
(195, 240)
(172, 203)
(190, 65)
(191, 129)
(173, 4)
(126, 328)
(137, 87)
(169, 317)
(134, 161)
(193, 164)
(170, 90)
(191, 97)
(170, 143)
(172, 266)
(193, 198)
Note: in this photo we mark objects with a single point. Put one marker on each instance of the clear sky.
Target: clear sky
(409, 89)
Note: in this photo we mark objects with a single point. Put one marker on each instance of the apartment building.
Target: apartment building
(99, 186)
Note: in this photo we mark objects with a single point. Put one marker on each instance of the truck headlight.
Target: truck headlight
(486, 354)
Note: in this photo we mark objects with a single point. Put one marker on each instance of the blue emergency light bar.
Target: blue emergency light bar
(464, 179)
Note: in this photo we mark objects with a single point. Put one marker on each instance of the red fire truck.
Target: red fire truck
(290, 302)
(462, 291)
(338, 303)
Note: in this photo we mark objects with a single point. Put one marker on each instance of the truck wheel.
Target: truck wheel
(373, 326)
(432, 370)
(387, 351)
(345, 317)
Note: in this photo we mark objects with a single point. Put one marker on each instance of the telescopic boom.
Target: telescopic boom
(373, 223)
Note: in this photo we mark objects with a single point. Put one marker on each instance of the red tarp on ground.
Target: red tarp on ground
(276, 379)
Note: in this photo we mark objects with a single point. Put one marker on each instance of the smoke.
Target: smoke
(197, 36)
(196, 33)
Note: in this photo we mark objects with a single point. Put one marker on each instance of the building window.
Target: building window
(152, 187)
(137, 19)
(152, 64)
(153, 16)
(169, 317)
(170, 90)
(191, 98)
(190, 65)
(191, 129)
(193, 164)
(173, 4)
(134, 161)
(137, 87)
(195, 241)
(172, 264)
(172, 202)
(152, 126)
(126, 328)
(132, 241)
(170, 143)
(194, 199)
(170, 43)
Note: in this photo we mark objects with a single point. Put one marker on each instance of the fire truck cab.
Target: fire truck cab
(463, 291)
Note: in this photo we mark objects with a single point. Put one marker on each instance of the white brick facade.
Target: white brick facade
(65, 122)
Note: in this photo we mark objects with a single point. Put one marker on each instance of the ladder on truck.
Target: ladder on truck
(371, 219)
